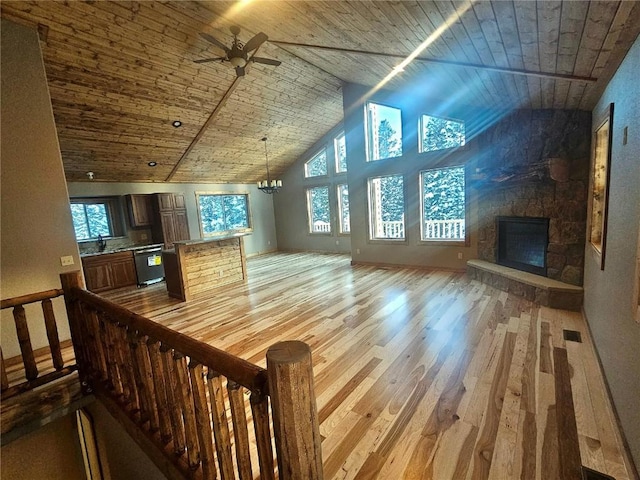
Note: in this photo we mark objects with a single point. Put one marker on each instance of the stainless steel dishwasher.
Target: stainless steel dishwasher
(149, 267)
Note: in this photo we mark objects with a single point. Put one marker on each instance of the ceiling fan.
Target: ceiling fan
(239, 53)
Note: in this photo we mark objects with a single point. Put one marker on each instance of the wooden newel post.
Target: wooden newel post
(69, 281)
(295, 416)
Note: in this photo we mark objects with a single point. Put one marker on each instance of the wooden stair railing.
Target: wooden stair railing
(33, 378)
(172, 387)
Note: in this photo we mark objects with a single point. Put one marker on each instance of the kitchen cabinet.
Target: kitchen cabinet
(109, 270)
(170, 222)
(140, 210)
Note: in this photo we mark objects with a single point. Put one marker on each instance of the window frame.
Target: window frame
(310, 230)
(114, 212)
(420, 129)
(440, 241)
(336, 151)
(339, 199)
(247, 229)
(369, 141)
(371, 210)
(313, 157)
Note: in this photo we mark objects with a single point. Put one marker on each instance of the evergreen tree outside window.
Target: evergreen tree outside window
(386, 207)
(318, 210)
(90, 220)
(437, 133)
(317, 166)
(383, 127)
(343, 208)
(443, 204)
(340, 148)
(223, 213)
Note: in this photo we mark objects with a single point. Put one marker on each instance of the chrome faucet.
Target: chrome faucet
(102, 243)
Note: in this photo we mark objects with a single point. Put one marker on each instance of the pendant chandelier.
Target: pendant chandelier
(268, 185)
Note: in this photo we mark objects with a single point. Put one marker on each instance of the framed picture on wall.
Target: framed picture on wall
(599, 191)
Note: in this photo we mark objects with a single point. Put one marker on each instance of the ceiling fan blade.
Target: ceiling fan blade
(239, 71)
(266, 61)
(215, 41)
(255, 42)
(207, 60)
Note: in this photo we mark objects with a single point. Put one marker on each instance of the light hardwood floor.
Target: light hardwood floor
(418, 374)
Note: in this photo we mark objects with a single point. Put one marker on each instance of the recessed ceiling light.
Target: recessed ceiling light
(176, 123)
(152, 164)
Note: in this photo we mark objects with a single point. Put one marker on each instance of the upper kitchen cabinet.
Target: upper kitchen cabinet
(140, 210)
(170, 218)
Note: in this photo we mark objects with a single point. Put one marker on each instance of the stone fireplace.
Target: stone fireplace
(535, 163)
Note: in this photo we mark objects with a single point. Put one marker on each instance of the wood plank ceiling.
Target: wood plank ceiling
(120, 72)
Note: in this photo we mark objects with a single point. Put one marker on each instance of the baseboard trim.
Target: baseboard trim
(631, 464)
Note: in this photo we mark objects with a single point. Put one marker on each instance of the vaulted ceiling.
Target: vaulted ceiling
(120, 72)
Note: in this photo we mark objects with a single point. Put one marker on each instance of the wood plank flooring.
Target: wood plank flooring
(418, 374)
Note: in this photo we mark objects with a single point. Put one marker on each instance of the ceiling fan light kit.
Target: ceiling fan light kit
(238, 54)
(268, 186)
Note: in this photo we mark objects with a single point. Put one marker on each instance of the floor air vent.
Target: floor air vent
(573, 336)
(588, 474)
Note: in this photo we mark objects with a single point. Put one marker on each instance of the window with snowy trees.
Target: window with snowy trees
(383, 126)
(386, 208)
(318, 210)
(223, 212)
(317, 166)
(443, 204)
(438, 133)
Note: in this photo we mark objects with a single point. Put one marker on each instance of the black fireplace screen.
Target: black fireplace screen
(522, 243)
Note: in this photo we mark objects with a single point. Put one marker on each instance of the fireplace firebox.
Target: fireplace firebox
(522, 243)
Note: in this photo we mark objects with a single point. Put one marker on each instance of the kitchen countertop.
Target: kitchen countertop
(122, 249)
(210, 239)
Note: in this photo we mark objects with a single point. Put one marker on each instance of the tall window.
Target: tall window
(343, 208)
(437, 133)
(340, 147)
(223, 213)
(318, 209)
(383, 127)
(317, 166)
(443, 204)
(386, 207)
(96, 216)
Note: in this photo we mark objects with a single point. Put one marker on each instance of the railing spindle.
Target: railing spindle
(240, 430)
(94, 343)
(147, 380)
(3, 373)
(220, 425)
(22, 329)
(143, 395)
(260, 411)
(125, 360)
(161, 390)
(111, 358)
(183, 392)
(52, 334)
(177, 425)
(203, 421)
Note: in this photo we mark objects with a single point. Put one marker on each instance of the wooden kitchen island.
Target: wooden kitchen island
(196, 267)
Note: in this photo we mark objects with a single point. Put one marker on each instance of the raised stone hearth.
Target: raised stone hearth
(541, 290)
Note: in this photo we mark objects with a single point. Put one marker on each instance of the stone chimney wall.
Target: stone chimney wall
(535, 163)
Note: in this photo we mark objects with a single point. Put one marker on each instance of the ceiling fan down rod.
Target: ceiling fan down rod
(514, 71)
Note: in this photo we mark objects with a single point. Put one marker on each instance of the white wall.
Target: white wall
(608, 302)
(262, 240)
(36, 226)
